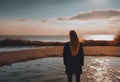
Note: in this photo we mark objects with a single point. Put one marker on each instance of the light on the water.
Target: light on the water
(99, 37)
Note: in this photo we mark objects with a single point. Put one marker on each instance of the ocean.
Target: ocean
(31, 38)
(37, 38)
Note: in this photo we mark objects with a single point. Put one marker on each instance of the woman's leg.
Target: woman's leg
(69, 76)
(77, 77)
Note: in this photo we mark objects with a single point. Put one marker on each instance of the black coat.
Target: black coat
(73, 64)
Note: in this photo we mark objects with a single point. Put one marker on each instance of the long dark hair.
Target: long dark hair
(74, 43)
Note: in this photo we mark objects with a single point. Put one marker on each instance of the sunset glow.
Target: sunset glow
(54, 17)
(99, 37)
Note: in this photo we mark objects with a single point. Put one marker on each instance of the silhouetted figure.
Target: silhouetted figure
(73, 57)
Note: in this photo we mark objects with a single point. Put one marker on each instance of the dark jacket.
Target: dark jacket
(73, 64)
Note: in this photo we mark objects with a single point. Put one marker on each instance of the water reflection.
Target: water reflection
(100, 70)
(96, 69)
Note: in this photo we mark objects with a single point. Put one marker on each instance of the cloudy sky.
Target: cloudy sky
(57, 17)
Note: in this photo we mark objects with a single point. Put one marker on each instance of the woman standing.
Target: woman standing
(73, 57)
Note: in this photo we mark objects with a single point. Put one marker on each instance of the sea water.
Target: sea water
(37, 38)
(31, 38)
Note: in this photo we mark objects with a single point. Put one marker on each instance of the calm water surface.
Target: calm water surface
(51, 69)
(37, 38)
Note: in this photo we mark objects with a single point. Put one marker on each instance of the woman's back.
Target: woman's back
(73, 63)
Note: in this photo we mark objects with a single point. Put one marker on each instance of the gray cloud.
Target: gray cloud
(62, 18)
(96, 14)
(44, 21)
(23, 20)
(112, 14)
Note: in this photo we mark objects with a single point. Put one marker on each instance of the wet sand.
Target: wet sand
(7, 58)
(51, 69)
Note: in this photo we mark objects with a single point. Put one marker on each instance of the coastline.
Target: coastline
(9, 57)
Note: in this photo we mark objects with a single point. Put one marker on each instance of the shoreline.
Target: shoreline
(22, 42)
(9, 57)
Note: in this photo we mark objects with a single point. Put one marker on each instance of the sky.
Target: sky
(58, 17)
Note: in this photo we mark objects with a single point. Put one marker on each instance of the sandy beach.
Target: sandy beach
(9, 57)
